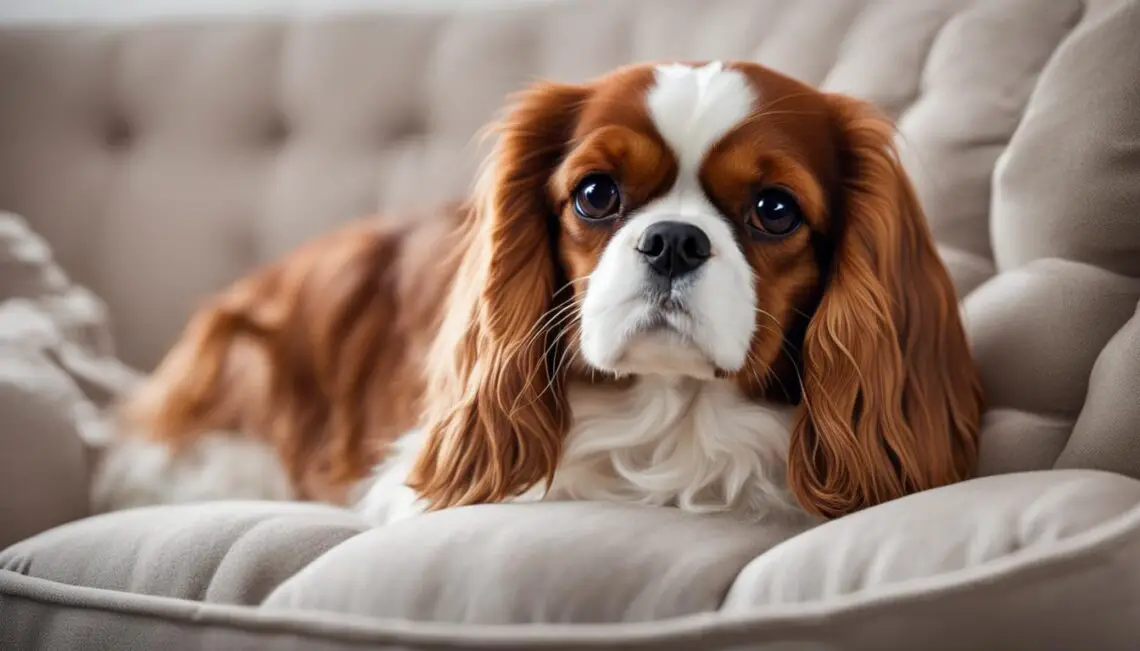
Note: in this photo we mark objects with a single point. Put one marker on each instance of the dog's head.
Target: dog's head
(713, 220)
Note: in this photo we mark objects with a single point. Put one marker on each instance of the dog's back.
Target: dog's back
(289, 383)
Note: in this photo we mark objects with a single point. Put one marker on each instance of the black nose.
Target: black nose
(674, 249)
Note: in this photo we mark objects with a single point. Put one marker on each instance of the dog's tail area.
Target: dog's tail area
(210, 380)
(290, 367)
(183, 433)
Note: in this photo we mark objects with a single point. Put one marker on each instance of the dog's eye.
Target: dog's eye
(774, 212)
(597, 197)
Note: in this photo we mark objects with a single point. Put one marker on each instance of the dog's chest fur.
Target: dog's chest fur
(695, 444)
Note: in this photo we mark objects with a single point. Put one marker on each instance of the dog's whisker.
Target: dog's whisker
(554, 374)
(548, 321)
(785, 345)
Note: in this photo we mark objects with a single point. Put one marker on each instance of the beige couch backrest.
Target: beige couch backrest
(164, 160)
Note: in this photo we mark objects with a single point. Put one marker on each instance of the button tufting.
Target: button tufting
(118, 134)
(276, 130)
(410, 126)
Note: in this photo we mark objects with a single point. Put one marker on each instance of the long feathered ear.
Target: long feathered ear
(892, 399)
(495, 418)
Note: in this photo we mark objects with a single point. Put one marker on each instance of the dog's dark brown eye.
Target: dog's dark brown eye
(597, 197)
(774, 212)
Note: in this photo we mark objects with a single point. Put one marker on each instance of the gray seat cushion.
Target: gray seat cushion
(1035, 561)
(231, 552)
(572, 562)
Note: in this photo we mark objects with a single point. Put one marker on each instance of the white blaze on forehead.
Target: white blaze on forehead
(693, 108)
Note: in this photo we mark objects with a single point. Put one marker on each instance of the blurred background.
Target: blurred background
(165, 147)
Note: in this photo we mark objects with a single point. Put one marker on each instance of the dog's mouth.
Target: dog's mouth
(669, 298)
(662, 343)
(665, 309)
(662, 320)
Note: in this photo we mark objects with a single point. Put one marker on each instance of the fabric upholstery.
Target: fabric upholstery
(1057, 547)
(284, 129)
(57, 370)
(567, 562)
(1105, 436)
(1037, 373)
(233, 552)
(922, 538)
(43, 467)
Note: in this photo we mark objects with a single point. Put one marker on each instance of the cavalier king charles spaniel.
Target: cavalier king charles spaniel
(706, 286)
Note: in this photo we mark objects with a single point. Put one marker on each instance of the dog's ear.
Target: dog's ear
(495, 416)
(892, 399)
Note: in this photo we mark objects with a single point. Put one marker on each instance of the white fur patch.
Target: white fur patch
(385, 497)
(694, 444)
(693, 108)
(216, 466)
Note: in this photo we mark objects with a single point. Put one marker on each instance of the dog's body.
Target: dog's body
(304, 370)
(662, 440)
(663, 291)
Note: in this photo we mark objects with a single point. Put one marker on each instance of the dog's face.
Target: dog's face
(692, 204)
(714, 221)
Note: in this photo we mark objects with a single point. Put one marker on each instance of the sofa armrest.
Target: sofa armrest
(43, 459)
(57, 371)
(999, 525)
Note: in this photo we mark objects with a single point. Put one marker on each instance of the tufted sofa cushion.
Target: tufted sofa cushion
(1056, 547)
(196, 151)
(236, 553)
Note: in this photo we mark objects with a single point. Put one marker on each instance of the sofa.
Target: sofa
(146, 161)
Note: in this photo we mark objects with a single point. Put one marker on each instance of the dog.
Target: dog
(700, 285)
